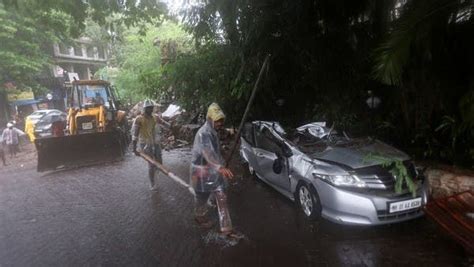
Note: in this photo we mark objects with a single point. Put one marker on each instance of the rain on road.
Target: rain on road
(106, 215)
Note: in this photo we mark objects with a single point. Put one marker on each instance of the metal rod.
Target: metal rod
(247, 109)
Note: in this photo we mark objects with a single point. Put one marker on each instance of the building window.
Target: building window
(78, 50)
(63, 49)
(90, 51)
(101, 52)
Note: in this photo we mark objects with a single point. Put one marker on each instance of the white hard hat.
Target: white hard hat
(148, 103)
(9, 125)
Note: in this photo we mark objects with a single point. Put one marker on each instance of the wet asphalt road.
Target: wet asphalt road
(106, 215)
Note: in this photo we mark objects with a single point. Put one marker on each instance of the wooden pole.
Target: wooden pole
(247, 109)
(167, 172)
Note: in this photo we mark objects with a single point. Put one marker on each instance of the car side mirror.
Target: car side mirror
(278, 165)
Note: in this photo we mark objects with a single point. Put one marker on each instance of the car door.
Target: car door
(248, 145)
(267, 153)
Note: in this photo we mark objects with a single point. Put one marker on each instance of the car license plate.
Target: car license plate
(405, 205)
(87, 125)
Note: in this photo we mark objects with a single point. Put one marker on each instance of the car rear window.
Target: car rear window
(247, 133)
(266, 141)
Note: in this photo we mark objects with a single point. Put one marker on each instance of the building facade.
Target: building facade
(83, 58)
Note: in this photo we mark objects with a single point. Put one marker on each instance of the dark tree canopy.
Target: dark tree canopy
(131, 12)
(326, 56)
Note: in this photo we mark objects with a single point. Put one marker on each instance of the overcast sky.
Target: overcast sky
(174, 5)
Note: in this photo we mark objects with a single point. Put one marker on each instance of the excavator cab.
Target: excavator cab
(92, 107)
(96, 131)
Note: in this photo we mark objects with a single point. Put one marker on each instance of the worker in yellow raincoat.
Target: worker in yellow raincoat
(30, 129)
(208, 172)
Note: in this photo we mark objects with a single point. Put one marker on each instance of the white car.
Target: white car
(43, 119)
(331, 175)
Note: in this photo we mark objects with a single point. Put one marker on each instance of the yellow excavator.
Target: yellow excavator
(96, 130)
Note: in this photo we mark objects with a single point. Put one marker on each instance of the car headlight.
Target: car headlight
(341, 180)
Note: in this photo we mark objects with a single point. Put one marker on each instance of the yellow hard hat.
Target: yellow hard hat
(215, 113)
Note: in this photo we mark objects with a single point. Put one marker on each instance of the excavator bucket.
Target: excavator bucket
(79, 150)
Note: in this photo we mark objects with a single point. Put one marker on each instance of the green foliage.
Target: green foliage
(25, 41)
(131, 13)
(466, 110)
(397, 169)
(459, 130)
(104, 35)
(312, 47)
(200, 77)
(29, 27)
(426, 56)
(455, 129)
(416, 35)
(137, 59)
(415, 55)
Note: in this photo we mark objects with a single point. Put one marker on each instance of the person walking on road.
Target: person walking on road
(11, 138)
(208, 174)
(146, 133)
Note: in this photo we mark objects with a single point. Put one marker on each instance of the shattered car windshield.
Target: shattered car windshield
(316, 129)
(317, 137)
(275, 126)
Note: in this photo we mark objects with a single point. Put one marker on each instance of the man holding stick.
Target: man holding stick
(146, 132)
(208, 172)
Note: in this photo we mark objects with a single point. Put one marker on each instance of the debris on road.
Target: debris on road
(172, 111)
(183, 128)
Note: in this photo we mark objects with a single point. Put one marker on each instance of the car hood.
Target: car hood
(359, 156)
(34, 119)
(42, 125)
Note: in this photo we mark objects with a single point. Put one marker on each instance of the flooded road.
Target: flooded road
(106, 215)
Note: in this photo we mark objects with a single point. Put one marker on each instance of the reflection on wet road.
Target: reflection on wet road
(105, 215)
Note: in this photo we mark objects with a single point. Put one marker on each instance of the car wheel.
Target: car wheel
(308, 200)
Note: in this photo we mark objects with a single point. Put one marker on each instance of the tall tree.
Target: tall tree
(132, 12)
(312, 43)
(138, 59)
(26, 43)
(322, 62)
(28, 27)
(428, 55)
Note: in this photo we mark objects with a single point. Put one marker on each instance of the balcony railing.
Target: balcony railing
(80, 51)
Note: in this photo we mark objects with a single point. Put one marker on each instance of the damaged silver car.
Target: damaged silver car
(330, 175)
